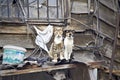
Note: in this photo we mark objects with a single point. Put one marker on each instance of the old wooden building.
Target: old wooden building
(96, 26)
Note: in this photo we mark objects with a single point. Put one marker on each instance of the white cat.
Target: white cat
(68, 44)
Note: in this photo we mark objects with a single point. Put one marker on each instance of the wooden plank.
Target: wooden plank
(106, 30)
(13, 29)
(35, 70)
(79, 7)
(95, 64)
(106, 21)
(107, 15)
(82, 40)
(18, 40)
(11, 20)
(109, 4)
(115, 72)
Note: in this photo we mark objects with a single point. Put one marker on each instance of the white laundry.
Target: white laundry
(93, 74)
(43, 37)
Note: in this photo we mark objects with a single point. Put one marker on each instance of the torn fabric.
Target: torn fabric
(43, 37)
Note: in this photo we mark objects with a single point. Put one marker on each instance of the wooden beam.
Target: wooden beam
(108, 4)
(35, 70)
(13, 29)
(115, 72)
(96, 64)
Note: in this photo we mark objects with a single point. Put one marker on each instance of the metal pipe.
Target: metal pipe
(21, 7)
(98, 25)
(28, 9)
(89, 4)
(18, 14)
(67, 5)
(38, 9)
(1, 10)
(66, 12)
(57, 8)
(48, 18)
(63, 9)
(8, 10)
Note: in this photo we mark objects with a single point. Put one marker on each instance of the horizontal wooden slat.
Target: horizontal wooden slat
(13, 29)
(18, 40)
(79, 7)
(115, 72)
(109, 4)
(35, 70)
(82, 40)
(108, 30)
(106, 21)
(107, 15)
(105, 29)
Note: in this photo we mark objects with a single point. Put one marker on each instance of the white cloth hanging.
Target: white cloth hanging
(93, 74)
(43, 37)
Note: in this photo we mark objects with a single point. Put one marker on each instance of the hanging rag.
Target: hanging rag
(43, 37)
(93, 74)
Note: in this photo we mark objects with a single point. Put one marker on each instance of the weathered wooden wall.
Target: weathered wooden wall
(17, 35)
(108, 21)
